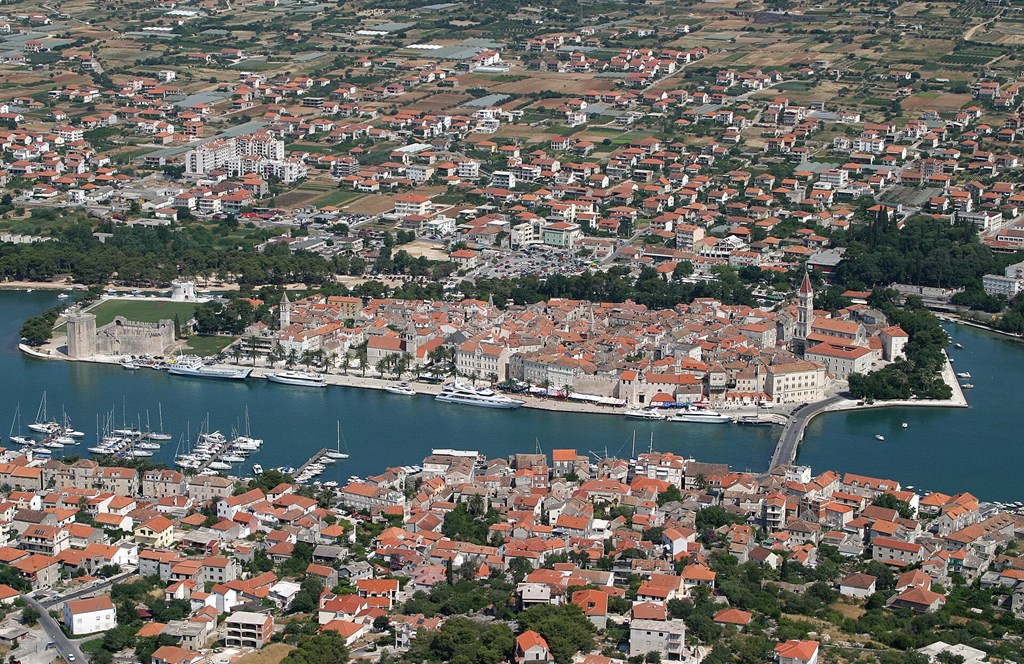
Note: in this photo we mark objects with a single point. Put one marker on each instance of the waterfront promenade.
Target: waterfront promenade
(793, 433)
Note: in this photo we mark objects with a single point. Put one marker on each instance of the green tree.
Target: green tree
(325, 648)
(566, 629)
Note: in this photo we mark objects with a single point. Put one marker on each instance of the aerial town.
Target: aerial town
(553, 558)
(729, 212)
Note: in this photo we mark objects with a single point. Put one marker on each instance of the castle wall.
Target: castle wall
(124, 337)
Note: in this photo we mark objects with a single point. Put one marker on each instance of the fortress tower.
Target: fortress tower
(81, 335)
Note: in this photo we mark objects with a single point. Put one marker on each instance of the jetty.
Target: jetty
(313, 459)
(221, 449)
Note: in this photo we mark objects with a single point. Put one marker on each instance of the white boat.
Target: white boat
(468, 395)
(964, 374)
(330, 485)
(247, 443)
(257, 468)
(129, 365)
(217, 438)
(327, 460)
(158, 435)
(208, 472)
(22, 440)
(63, 296)
(879, 436)
(220, 465)
(193, 367)
(52, 443)
(904, 425)
(402, 389)
(100, 449)
(42, 425)
(644, 414)
(128, 433)
(147, 446)
(139, 454)
(17, 438)
(337, 453)
(958, 346)
(967, 386)
(231, 458)
(700, 416)
(299, 378)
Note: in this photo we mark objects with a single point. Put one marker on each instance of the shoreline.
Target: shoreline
(970, 322)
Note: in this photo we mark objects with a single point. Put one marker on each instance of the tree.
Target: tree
(566, 629)
(29, 616)
(325, 648)
(890, 501)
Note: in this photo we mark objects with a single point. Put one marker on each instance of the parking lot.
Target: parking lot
(538, 261)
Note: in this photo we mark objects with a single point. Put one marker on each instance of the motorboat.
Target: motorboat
(701, 416)
(130, 366)
(231, 458)
(100, 449)
(152, 435)
(216, 438)
(257, 468)
(331, 485)
(287, 470)
(958, 346)
(194, 367)
(127, 433)
(754, 421)
(402, 389)
(299, 378)
(644, 414)
(22, 440)
(964, 374)
(147, 446)
(904, 425)
(968, 386)
(879, 436)
(139, 454)
(469, 395)
(220, 465)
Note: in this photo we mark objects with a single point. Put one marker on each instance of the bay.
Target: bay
(977, 449)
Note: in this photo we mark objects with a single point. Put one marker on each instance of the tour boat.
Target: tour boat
(300, 378)
(402, 389)
(879, 436)
(701, 416)
(643, 414)
(469, 395)
(194, 367)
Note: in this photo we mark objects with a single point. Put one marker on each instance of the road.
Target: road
(793, 433)
(65, 647)
(87, 591)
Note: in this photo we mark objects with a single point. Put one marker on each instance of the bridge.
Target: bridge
(793, 432)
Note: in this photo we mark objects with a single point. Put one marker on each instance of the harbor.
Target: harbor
(383, 429)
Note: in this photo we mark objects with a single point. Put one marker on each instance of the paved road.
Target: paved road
(65, 647)
(87, 591)
(785, 451)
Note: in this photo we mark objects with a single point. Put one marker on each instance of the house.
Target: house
(857, 585)
(157, 533)
(176, 655)
(531, 647)
(87, 616)
(665, 637)
(797, 652)
(248, 630)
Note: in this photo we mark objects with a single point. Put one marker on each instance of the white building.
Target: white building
(665, 637)
(88, 616)
(996, 284)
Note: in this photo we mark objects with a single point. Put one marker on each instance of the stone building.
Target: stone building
(118, 337)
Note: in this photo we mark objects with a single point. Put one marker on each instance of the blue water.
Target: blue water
(976, 449)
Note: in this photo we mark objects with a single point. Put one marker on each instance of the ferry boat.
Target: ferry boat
(468, 395)
(194, 368)
(300, 378)
(402, 389)
(701, 416)
(644, 414)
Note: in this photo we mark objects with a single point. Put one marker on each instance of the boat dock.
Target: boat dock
(313, 459)
(221, 450)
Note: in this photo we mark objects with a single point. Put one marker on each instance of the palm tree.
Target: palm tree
(382, 365)
(347, 361)
(276, 355)
(236, 352)
(492, 378)
(307, 358)
(292, 359)
(546, 384)
(251, 342)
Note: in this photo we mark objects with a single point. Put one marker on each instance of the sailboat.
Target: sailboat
(42, 425)
(337, 453)
(158, 435)
(17, 438)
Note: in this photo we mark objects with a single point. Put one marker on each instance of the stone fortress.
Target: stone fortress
(118, 337)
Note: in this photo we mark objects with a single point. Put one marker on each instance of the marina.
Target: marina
(381, 429)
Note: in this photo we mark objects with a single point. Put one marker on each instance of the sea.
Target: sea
(978, 449)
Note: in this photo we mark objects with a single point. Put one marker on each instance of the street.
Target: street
(785, 451)
(65, 648)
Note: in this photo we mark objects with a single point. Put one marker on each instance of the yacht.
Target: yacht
(402, 389)
(138, 454)
(220, 465)
(231, 458)
(968, 386)
(195, 368)
(644, 414)
(130, 433)
(469, 395)
(22, 440)
(879, 436)
(904, 425)
(129, 365)
(257, 468)
(147, 446)
(300, 378)
(964, 374)
(702, 416)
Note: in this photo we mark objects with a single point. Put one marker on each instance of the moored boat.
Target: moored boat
(402, 389)
(299, 378)
(701, 416)
(644, 414)
(469, 395)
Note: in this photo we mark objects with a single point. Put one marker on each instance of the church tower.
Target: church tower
(804, 314)
(285, 311)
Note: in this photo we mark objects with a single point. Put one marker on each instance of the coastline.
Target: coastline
(969, 322)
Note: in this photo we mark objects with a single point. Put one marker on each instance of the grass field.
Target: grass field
(207, 345)
(142, 310)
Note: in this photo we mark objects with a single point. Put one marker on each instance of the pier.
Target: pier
(313, 459)
(222, 448)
